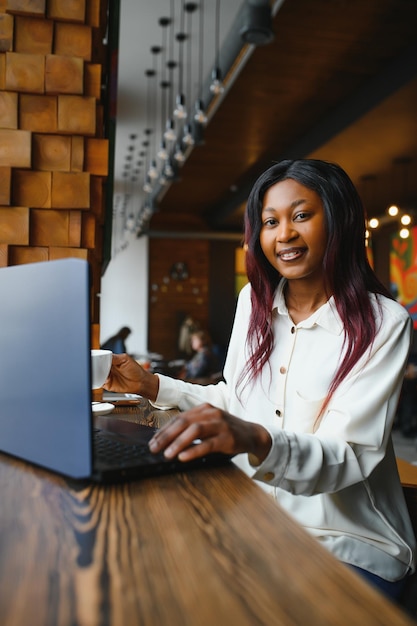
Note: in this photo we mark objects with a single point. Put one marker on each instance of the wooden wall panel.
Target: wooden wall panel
(14, 225)
(52, 152)
(96, 156)
(25, 72)
(77, 115)
(4, 256)
(8, 109)
(29, 7)
(71, 10)
(70, 190)
(32, 35)
(6, 32)
(55, 228)
(5, 185)
(19, 255)
(52, 202)
(38, 113)
(170, 299)
(64, 74)
(31, 188)
(15, 148)
(73, 40)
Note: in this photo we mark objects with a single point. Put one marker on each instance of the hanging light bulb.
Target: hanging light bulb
(147, 187)
(179, 155)
(216, 86)
(405, 219)
(188, 138)
(163, 152)
(180, 111)
(153, 170)
(169, 133)
(200, 115)
(168, 170)
(404, 233)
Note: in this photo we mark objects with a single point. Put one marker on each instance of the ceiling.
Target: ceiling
(338, 82)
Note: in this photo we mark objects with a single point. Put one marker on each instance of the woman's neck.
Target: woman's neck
(303, 300)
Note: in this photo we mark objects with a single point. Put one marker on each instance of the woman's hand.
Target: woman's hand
(127, 376)
(205, 429)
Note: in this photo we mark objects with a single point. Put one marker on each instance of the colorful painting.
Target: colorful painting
(403, 271)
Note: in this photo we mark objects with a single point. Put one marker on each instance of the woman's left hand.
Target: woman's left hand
(206, 429)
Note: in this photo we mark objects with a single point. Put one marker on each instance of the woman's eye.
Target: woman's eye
(301, 216)
(270, 221)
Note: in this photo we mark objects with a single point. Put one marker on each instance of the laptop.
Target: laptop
(46, 414)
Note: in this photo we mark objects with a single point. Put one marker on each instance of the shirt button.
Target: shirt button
(292, 330)
(282, 370)
(278, 413)
(269, 476)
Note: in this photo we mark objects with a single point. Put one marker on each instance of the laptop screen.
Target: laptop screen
(45, 388)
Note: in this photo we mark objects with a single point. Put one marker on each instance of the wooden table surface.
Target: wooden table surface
(196, 548)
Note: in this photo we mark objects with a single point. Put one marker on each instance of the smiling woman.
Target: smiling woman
(312, 375)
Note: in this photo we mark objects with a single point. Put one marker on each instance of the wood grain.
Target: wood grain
(194, 548)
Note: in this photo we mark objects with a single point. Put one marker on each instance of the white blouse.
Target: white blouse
(337, 476)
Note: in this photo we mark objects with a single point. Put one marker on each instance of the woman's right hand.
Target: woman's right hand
(127, 376)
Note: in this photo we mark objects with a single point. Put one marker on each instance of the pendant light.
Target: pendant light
(216, 86)
(199, 115)
(164, 85)
(187, 139)
(170, 134)
(180, 111)
(151, 168)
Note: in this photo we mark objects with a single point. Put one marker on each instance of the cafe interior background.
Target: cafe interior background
(198, 99)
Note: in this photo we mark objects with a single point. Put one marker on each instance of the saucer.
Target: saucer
(102, 408)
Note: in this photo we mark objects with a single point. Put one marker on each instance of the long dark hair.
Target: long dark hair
(348, 275)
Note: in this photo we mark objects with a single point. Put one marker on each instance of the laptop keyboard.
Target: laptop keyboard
(117, 453)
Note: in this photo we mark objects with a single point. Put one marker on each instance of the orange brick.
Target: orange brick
(19, 255)
(97, 156)
(54, 228)
(71, 10)
(6, 32)
(25, 72)
(5, 185)
(32, 35)
(92, 80)
(64, 74)
(30, 7)
(4, 255)
(65, 253)
(14, 225)
(32, 189)
(38, 113)
(8, 109)
(15, 148)
(70, 190)
(77, 115)
(51, 152)
(73, 40)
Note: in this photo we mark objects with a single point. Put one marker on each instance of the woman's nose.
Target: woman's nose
(285, 231)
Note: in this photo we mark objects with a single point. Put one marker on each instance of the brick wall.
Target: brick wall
(53, 153)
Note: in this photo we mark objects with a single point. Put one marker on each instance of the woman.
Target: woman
(309, 398)
(204, 362)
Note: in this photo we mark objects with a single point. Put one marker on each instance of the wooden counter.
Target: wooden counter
(199, 548)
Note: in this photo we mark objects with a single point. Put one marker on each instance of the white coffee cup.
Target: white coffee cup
(100, 367)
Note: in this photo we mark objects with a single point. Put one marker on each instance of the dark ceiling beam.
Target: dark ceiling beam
(395, 75)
